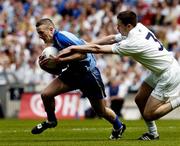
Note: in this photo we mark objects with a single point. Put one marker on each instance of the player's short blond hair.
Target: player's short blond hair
(45, 21)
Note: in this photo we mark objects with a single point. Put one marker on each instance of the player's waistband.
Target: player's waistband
(171, 64)
(80, 67)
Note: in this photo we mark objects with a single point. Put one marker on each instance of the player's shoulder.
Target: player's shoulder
(140, 25)
(139, 29)
(63, 34)
(136, 36)
(138, 32)
(69, 35)
(66, 33)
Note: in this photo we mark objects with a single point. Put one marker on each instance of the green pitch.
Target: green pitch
(85, 133)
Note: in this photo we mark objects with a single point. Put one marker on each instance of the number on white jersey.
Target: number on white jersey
(155, 39)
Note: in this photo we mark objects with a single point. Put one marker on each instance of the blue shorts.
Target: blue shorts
(88, 81)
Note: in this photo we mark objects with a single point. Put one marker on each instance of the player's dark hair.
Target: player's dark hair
(127, 17)
(45, 21)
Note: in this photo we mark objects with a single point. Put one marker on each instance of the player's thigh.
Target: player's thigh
(143, 93)
(56, 87)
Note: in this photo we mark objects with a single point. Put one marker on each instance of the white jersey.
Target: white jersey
(143, 46)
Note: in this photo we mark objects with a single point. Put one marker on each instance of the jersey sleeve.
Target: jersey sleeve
(120, 48)
(65, 39)
(70, 39)
(118, 37)
(125, 47)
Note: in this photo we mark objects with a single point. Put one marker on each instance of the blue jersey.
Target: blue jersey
(64, 39)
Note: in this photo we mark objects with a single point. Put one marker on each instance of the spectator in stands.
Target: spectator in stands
(116, 92)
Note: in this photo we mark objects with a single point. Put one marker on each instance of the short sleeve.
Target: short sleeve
(119, 48)
(126, 47)
(118, 37)
(115, 47)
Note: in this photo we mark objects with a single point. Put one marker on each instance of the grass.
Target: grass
(14, 132)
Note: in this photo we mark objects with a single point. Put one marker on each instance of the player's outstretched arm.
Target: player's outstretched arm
(89, 48)
(108, 40)
(77, 52)
(73, 56)
(105, 40)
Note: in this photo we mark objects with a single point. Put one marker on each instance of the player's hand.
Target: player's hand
(49, 65)
(46, 62)
(43, 61)
(54, 60)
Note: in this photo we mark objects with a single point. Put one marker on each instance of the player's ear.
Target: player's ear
(51, 29)
(129, 26)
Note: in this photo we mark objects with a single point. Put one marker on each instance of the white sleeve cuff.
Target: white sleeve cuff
(114, 48)
(118, 37)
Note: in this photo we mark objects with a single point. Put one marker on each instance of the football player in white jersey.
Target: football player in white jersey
(154, 96)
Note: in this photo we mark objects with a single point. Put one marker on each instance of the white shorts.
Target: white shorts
(167, 84)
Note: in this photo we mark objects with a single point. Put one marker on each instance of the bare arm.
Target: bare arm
(56, 60)
(93, 48)
(105, 40)
(71, 57)
(89, 48)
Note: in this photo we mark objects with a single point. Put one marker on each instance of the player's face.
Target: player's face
(122, 28)
(45, 33)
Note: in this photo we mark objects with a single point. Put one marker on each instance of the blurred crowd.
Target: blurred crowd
(90, 20)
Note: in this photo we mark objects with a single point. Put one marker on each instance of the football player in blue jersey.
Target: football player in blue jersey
(80, 73)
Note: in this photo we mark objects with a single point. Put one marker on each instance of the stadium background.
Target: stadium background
(91, 19)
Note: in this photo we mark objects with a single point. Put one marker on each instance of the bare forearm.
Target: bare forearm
(73, 57)
(105, 40)
(77, 52)
(92, 48)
